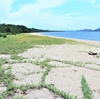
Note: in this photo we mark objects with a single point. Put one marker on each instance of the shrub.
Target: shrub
(4, 35)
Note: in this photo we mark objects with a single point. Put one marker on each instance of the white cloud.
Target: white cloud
(40, 5)
(96, 3)
(33, 14)
(37, 7)
(5, 6)
(41, 20)
(93, 1)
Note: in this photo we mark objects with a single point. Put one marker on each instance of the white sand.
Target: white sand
(35, 34)
(64, 52)
(27, 73)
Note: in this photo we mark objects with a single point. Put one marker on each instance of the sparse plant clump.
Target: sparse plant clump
(5, 75)
(36, 62)
(23, 88)
(44, 75)
(97, 56)
(15, 56)
(11, 87)
(6, 78)
(44, 63)
(59, 92)
(19, 97)
(33, 86)
(3, 95)
(3, 61)
(88, 94)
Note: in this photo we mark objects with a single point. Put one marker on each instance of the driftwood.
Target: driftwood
(92, 53)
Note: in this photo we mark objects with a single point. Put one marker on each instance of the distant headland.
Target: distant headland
(90, 30)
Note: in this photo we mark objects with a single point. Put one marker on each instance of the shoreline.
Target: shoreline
(79, 40)
(35, 33)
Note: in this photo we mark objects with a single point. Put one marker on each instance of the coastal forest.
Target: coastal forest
(16, 29)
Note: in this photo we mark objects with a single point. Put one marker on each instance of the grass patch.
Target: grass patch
(19, 43)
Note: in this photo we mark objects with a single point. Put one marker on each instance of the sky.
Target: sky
(51, 14)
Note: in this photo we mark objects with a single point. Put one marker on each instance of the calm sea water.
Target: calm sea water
(76, 35)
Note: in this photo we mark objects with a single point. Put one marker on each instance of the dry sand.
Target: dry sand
(66, 75)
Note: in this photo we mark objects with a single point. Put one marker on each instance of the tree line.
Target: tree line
(15, 29)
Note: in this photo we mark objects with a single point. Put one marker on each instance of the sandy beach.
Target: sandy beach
(35, 34)
(68, 61)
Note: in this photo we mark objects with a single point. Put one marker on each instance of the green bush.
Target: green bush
(4, 35)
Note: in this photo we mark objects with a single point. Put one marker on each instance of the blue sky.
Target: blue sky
(51, 14)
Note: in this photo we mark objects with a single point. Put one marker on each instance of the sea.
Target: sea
(95, 36)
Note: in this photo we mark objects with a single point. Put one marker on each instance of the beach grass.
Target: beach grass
(15, 44)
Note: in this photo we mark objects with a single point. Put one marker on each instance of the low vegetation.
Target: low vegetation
(19, 43)
(19, 97)
(88, 94)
